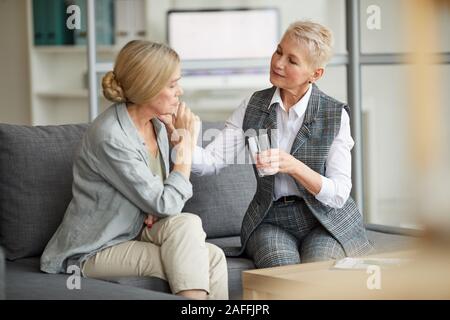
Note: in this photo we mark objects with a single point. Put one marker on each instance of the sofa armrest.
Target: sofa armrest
(2, 275)
(394, 230)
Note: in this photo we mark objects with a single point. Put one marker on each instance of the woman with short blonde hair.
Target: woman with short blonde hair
(125, 216)
(302, 210)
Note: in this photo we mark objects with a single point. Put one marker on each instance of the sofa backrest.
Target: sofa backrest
(35, 184)
(221, 200)
(36, 180)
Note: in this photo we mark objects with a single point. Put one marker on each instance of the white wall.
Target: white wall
(14, 77)
(392, 35)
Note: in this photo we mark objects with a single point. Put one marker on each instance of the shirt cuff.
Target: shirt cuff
(197, 155)
(197, 161)
(326, 192)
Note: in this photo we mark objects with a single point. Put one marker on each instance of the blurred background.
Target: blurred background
(391, 64)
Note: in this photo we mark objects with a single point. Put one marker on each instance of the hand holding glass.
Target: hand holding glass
(258, 145)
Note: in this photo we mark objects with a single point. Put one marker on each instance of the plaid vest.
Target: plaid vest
(311, 146)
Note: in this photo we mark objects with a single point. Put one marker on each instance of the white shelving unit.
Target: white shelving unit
(73, 49)
(59, 91)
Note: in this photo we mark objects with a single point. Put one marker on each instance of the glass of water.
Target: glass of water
(258, 144)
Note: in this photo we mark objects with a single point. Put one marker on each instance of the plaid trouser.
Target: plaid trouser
(290, 234)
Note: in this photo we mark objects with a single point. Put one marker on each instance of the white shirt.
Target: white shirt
(336, 184)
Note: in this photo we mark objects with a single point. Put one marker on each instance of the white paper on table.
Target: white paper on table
(364, 263)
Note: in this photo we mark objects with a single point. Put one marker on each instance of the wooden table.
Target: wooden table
(424, 277)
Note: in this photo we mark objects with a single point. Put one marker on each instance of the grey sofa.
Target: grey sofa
(35, 188)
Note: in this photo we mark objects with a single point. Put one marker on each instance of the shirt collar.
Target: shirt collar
(127, 124)
(130, 129)
(299, 108)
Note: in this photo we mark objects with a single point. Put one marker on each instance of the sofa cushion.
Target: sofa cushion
(149, 283)
(235, 268)
(29, 268)
(35, 184)
(26, 282)
(222, 200)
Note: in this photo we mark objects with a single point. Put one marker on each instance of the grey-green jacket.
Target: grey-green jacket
(113, 190)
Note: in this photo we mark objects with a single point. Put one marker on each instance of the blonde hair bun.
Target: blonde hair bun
(112, 89)
(142, 69)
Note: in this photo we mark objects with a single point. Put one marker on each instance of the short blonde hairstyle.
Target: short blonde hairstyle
(316, 38)
(141, 71)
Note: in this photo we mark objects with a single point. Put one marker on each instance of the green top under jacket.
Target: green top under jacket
(113, 190)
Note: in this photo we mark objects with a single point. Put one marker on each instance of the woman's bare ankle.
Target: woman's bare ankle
(193, 294)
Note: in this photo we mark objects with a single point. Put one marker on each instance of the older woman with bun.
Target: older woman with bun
(302, 210)
(125, 216)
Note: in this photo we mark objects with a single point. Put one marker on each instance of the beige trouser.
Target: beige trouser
(173, 249)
